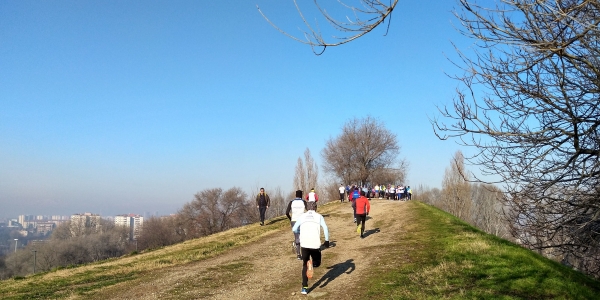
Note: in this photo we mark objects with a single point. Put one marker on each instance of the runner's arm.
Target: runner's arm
(296, 228)
(325, 229)
(287, 211)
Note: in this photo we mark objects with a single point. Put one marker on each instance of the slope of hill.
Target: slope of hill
(411, 251)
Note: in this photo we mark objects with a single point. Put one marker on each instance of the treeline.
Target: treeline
(492, 210)
(210, 211)
(480, 205)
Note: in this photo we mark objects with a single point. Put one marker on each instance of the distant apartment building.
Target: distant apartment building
(45, 227)
(131, 221)
(82, 223)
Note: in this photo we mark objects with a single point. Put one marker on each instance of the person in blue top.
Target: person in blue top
(355, 194)
(309, 226)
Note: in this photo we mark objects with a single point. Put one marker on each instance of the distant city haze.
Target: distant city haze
(134, 107)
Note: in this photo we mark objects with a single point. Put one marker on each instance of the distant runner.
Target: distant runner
(362, 208)
(342, 192)
(312, 197)
(309, 227)
(296, 207)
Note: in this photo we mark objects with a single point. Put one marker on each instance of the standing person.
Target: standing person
(362, 206)
(377, 190)
(309, 226)
(342, 192)
(262, 202)
(401, 191)
(296, 207)
(409, 193)
(392, 192)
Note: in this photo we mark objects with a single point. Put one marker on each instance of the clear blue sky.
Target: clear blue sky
(118, 107)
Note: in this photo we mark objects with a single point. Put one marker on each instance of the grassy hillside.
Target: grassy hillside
(433, 256)
(441, 257)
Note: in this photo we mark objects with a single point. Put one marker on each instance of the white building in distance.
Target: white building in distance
(131, 221)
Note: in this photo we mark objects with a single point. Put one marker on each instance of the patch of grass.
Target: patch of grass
(217, 277)
(441, 257)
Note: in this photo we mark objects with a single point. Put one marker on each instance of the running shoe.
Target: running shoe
(304, 291)
(309, 269)
(299, 257)
(358, 228)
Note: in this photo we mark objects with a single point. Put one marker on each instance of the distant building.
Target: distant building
(131, 221)
(81, 223)
(45, 227)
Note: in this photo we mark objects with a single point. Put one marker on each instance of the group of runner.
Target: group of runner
(389, 192)
(307, 223)
(306, 226)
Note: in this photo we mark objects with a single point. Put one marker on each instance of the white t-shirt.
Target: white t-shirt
(297, 209)
(342, 190)
(309, 226)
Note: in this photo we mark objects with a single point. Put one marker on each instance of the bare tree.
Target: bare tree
(307, 173)
(365, 15)
(456, 189)
(213, 210)
(278, 203)
(392, 175)
(487, 212)
(161, 231)
(364, 147)
(300, 176)
(529, 105)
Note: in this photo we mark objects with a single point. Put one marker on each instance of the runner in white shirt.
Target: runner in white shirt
(309, 227)
(342, 192)
(297, 207)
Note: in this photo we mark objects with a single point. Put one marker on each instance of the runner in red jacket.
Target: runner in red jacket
(362, 206)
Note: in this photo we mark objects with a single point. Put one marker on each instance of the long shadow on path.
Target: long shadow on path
(334, 272)
(368, 232)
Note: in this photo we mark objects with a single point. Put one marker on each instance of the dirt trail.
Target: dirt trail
(276, 271)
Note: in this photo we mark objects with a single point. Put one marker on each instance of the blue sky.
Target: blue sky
(118, 107)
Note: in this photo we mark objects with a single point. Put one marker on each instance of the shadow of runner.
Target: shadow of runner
(334, 272)
(368, 232)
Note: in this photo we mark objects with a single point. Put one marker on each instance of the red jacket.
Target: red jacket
(363, 206)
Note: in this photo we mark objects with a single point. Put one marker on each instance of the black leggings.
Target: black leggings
(360, 219)
(308, 253)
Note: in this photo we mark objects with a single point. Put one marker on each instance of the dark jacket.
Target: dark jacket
(264, 202)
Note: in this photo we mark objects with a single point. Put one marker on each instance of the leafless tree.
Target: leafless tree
(161, 231)
(393, 175)
(529, 103)
(365, 147)
(487, 211)
(456, 189)
(307, 173)
(364, 16)
(300, 176)
(278, 203)
(431, 196)
(214, 210)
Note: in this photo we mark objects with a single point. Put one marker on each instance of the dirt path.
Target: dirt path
(269, 270)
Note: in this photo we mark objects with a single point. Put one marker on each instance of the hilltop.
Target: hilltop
(411, 251)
